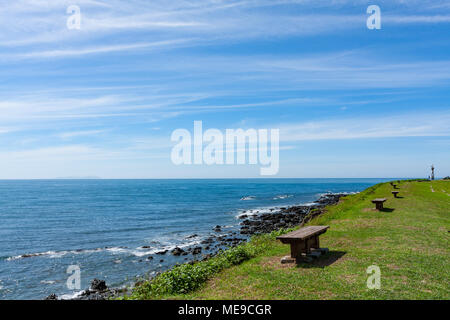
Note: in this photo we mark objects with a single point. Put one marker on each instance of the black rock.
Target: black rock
(52, 297)
(177, 251)
(206, 257)
(207, 241)
(197, 250)
(98, 285)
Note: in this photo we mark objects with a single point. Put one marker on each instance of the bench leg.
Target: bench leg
(295, 250)
(379, 206)
(317, 243)
(305, 246)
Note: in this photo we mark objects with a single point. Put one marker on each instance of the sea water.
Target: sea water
(110, 228)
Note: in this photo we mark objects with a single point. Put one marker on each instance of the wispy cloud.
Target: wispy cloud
(100, 49)
(26, 24)
(400, 125)
(73, 134)
(417, 19)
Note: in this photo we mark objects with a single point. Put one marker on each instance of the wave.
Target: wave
(137, 252)
(257, 211)
(282, 196)
(55, 254)
(71, 296)
(331, 193)
(273, 209)
(247, 198)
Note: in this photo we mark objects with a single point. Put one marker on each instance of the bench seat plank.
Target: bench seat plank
(303, 233)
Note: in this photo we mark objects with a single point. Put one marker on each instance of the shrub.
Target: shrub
(185, 278)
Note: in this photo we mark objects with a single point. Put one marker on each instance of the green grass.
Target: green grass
(410, 244)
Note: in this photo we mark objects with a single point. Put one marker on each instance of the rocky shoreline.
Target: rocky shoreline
(252, 223)
(286, 217)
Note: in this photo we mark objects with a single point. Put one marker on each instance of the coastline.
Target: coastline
(251, 223)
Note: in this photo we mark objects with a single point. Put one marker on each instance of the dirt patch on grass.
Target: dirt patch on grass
(362, 222)
(349, 278)
(274, 263)
(325, 294)
(393, 267)
(339, 242)
(432, 251)
(411, 228)
(235, 288)
(400, 279)
(330, 259)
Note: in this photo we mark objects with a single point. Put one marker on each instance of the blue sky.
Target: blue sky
(103, 100)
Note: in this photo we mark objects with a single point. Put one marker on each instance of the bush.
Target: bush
(185, 278)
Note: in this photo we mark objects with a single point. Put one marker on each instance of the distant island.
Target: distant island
(78, 178)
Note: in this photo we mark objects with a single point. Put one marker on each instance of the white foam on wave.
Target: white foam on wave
(71, 296)
(247, 198)
(282, 196)
(141, 252)
(138, 252)
(332, 193)
(307, 204)
(56, 254)
(273, 209)
(257, 211)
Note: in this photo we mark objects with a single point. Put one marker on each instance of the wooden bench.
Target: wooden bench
(395, 186)
(379, 203)
(395, 193)
(302, 240)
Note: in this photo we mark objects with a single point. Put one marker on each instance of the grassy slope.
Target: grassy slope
(409, 244)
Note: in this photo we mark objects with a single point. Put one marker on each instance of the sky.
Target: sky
(104, 99)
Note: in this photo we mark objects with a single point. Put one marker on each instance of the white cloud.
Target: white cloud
(73, 134)
(26, 23)
(99, 49)
(400, 125)
(417, 19)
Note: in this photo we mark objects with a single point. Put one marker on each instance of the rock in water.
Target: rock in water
(98, 285)
(177, 251)
(52, 297)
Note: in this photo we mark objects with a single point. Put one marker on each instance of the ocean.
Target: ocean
(110, 228)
